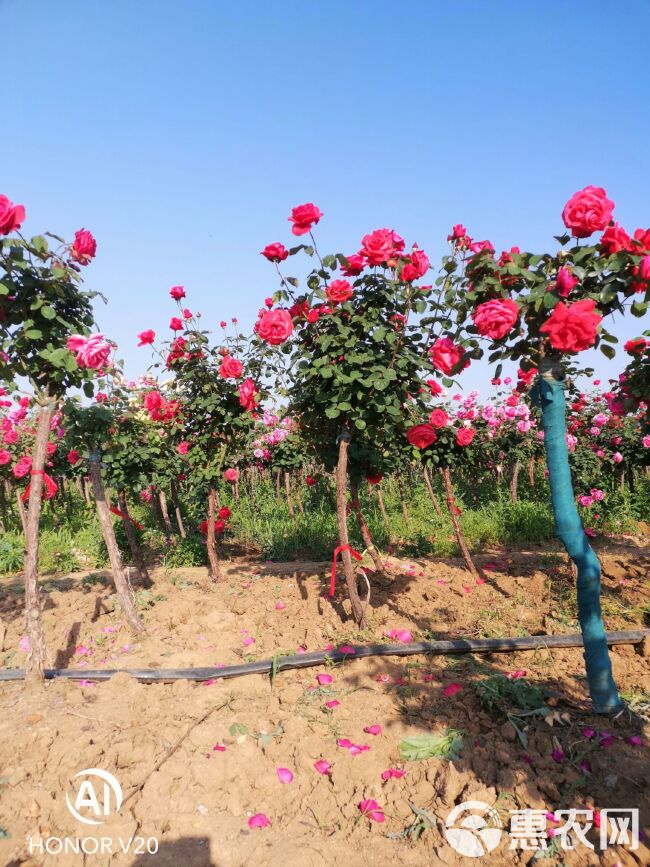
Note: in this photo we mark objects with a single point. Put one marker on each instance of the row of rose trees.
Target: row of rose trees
(362, 346)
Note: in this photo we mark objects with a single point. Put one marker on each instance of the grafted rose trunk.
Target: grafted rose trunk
(382, 509)
(164, 509)
(402, 498)
(436, 504)
(124, 592)
(342, 521)
(363, 527)
(132, 539)
(531, 471)
(177, 509)
(514, 482)
(157, 511)
(277, 486)
(458, 533)
(569, 529)
(211, 539)
(287, 492)
(22, 514)
(35, 663)
(301, 508)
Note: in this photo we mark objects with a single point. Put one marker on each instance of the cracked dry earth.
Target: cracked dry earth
(159, 740)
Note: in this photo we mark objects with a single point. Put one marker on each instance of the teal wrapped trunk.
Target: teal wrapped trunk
(549, 395)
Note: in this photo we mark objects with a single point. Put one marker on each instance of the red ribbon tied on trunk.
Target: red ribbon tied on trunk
(125, 517)
(338, 551)
(50, 486)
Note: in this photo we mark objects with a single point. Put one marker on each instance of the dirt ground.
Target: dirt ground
(196, 761)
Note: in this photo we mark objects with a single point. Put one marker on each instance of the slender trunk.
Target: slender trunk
(84, 490)
(134, 545)
(622, 480)
(514, 482)
(402, 498)
(458, 533)
(3, 508)
(211, 539)
(342, 520)
(236, 489)
(177, 509)
(33, 611)
(382, 509)
(277, 487)
(365, 532)
(164, 510)
(436, 504)
(22, 514)
(531, 471)
(569, 529)
(156, 509)
(299, 499)
(122, 587)
(287, 492)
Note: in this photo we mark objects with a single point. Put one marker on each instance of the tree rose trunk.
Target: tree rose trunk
(277, 486)
(22, 514)
(432, 495)
(177, 509)
(124, 592)
(299, 498)
(342, 520)
(365, 532)
(287, 492)
(35, 663)
(164, 510)
(382, 509)
(514, 482)
(211, 539)
(402, 498)
(531, 471)
(134, 545)
(458, 533)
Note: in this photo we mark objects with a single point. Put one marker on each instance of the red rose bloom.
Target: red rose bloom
(573, 327)
(434, 388)
(339, 291)
(637, 346)
(439, 418)
(310, 481)
(11, 216)
(565, 281)
(231, 475)
(416, 267)
(84, 247)
(146, 337)
(356, 264)
(615, 239)
(303, 217)
(445, 355)
(177, 292)
(459, 231)
(224, 513)
(176, 324)
(275, 252)
(496, 318)
(380, 246)
(247, 394)
(274, 326)
(421, 436)
(587, 211)
(642, 237)
(465, 435)
(73, 457)
(299, 310)
(373, 477)
(231, 368)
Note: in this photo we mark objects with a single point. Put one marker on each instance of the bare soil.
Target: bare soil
(159, 740)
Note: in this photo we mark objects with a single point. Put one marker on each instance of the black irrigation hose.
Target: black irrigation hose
(319, 657)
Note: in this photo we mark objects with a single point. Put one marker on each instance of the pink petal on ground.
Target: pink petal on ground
(259, 820)
(248, 641)
(467, 589)
(357, 749)
(393, 773)
(219, 748)
(301, 650)
(324, 679)
(81, 650)
(480, 580)
(284, 775)
(452, 689)
(441, 581)
(280, 606)
(635, 740)
(24, 644)
(373, 730)
(588, 733)
(383, 678)
(516, 674)
(209, 681)
(87, 683)
(371, 810)
(322, 766)
(347, 648)
(344, 742)
(332, 704)
(558, 756)
(606, 740)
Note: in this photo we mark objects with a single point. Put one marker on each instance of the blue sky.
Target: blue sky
(182, 133)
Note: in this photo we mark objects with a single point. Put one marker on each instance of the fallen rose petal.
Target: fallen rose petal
(558, 756)
(347, 648)
(248, 641)
(259, 820)
(332, 704)
(373, 730)
(635, 740)
(371, 810)
(393, 773)
(383, 678)
(606, 740)
(284, 775)
(219, 748)
(452, 689)
(322, 766)
(280, 606)
(588, 733)
(324, 679)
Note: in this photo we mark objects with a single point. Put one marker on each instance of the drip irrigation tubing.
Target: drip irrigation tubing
(321, 657)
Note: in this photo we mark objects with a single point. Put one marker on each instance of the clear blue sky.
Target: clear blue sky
(181, 133)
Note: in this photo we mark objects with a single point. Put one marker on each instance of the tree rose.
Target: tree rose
(339, 291)
(573, 327)
(587, 211)
(274, 326)
(11, 216)
(92, 352)
(496, 318)
(303, 217)
(275, 252)
(380, 246)
(422, 436)
(84, 247)
(445, 355)
(231, 368)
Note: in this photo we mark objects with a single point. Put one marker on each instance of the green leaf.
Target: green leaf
(608, 351)
(48, 312)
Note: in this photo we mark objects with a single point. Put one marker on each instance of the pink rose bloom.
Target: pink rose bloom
(275, 252)
(618, 457)
(615, 239)
(176, 324)
(496, 318)
(303, 217)
(5, 457)
(646, 442)
(274, 326)
(11, 437)
(585, 500)
(183, 447)
(597, 494)
(465, 436)
(231, 475)
(445, 355)
(146, 338)
(11, 216)
(22, 467)
(84, 247)
(587, 211)
(479, 246)
(177, 292)
(339, 291)
(380, 246)
(231, 368)
(356, 264)
(247, 394)
(565, 282)
(92, 352)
